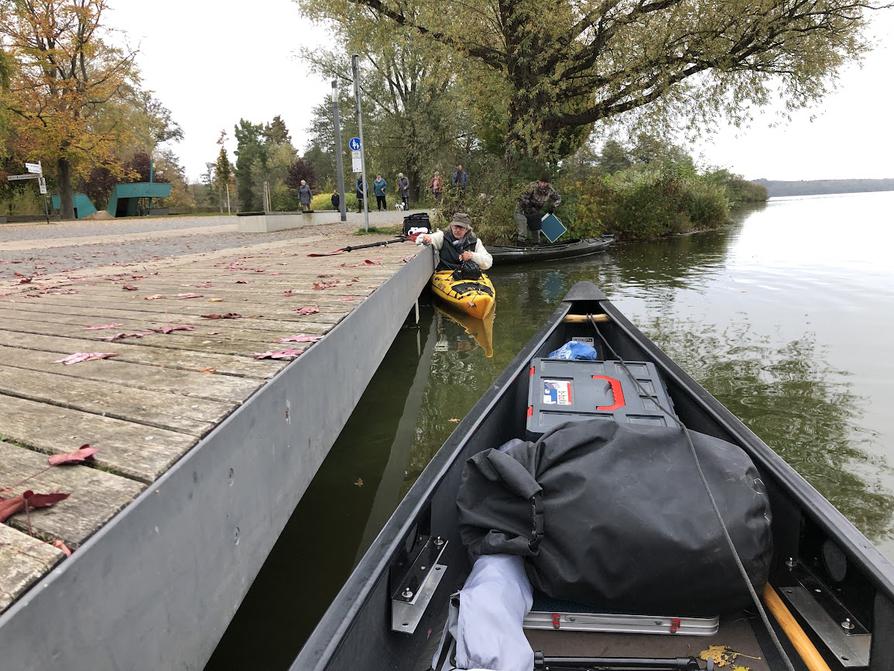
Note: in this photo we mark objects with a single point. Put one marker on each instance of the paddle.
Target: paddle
(351, 248)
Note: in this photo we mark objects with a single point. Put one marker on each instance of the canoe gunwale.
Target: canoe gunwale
(567, 250)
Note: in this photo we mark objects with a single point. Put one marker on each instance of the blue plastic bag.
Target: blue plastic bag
(575, 350)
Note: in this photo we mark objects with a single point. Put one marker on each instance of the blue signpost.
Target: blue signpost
(354, 144)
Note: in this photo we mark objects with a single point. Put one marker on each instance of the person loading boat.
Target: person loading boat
(458, 246)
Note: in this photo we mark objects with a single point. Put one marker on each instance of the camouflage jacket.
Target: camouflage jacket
(537, 198)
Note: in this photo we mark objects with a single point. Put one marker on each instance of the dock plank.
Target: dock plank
(133, 450)
(156, 356)
(23, 560)
(94, 495)
(165, 410)
(151, 378)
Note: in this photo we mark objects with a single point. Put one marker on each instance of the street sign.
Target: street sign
(354, 144)
(14, 178)
(42, 185)
(356, 164)
(34, 167)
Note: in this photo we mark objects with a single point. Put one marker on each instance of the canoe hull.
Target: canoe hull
(564, 250)
(475, 298)
(356, 630)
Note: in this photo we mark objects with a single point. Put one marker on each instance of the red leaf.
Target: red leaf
(62, 546)
(241, 282)
(370, 262)
(325, 284)
(226, 315)
(128, 287)
(78, 357)
(25, 280)
(36, 500)
(288, 292)
(79, 456)
(279, 354)
(308, 310)
(9, 507)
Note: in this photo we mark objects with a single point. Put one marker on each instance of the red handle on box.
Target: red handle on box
(617, 393)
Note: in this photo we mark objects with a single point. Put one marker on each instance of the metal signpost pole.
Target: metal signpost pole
(355, 67)
(339, 161)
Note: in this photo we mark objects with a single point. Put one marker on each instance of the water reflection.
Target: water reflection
(790, 396)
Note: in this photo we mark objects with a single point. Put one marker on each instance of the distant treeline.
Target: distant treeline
(820, 186)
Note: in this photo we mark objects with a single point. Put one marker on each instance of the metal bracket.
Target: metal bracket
(847, 639)
(622, 623)
(411, 598)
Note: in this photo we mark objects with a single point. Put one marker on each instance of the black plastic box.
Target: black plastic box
(571, 390)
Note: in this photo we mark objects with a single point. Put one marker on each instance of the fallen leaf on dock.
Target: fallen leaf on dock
(170, 329)
(129, 287)
(241, 282)
(79, 456)
(308, 310)
(153, 297)
(11, 506)
(215, 300)
(208, 370)
(358, 482)
(126, 334)
(454, 420)
(279, 354)
(188, 295)
(288, 292)
(79, 357)
(99, 327)
(225, 315)
(301, 337)
(370, 262)
(325, 284)
(60, 545)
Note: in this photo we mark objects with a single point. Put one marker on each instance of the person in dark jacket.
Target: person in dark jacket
(304, 195)
(456, 244)
(336, 200)
(460, 178)
(360, 189)
(403, 189)
(538, 198)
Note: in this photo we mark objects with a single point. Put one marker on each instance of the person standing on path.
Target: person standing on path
(460, 178)
(360, 189)
(379, 186)
(403, 189)
(304, 195)
(437, 186)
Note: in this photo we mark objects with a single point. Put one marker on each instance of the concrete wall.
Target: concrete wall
(157, 587)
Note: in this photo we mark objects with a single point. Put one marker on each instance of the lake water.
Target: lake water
(787, 317)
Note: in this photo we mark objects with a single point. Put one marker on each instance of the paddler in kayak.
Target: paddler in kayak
(458, 247)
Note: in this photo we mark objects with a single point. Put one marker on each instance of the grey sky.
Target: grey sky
(212, 62)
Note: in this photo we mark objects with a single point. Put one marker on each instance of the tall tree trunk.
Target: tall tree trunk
(66, 198)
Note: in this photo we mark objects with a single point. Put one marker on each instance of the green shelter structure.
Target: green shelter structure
(127, 200)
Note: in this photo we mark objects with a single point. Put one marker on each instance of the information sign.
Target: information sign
(356, 164)
(42, 185)
(34, 168)
(15, 178)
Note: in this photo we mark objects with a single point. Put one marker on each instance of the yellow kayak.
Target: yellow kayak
(474, 297)
(480, 330)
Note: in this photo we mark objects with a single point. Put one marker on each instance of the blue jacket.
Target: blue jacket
(379, 186)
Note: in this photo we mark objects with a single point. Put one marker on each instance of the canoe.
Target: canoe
(475, 298)
(548, 252)
(836, 589)
(481, 331)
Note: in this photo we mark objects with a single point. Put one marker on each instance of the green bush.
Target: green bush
(323, 201)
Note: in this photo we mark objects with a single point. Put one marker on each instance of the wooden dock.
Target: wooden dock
(186, 334)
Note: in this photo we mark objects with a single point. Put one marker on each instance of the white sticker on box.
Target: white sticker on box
(583, 339)
(557, 392)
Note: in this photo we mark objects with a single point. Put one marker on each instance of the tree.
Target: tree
(613, 157)
(560, 66)
(66, 85)
(250, 151)
(410, 107)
